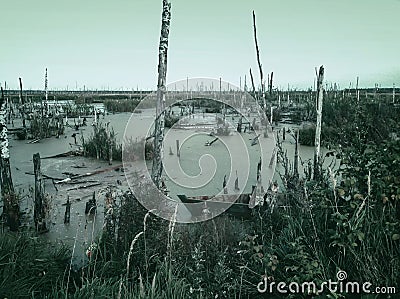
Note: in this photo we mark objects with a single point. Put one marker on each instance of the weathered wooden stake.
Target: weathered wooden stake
(67, 216)
(39, 214)
(178, 151)
(296, 156)
(10, 201)
(320, 92)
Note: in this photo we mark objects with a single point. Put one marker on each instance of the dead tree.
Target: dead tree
(21, 98)
(270, 83)
(157, 166)
(39, 214)
(258, 59)
(10, 200)
(252, 83)
(318, 106)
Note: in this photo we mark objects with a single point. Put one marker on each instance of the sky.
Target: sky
(100, 44)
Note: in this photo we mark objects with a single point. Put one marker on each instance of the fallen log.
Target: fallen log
(84, 187)
(45, 176)
(97, 171)
(64, 155)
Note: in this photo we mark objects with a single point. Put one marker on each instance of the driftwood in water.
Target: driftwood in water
(84, 186)
(64, 155)
(44, 176)
(208, 143)
(97, 171)
(39, 214)
(10, 200)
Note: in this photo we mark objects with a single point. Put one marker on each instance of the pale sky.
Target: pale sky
(114, 44)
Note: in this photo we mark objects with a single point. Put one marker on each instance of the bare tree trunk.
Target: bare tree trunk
(39, 214)
(46, 94)
(252, 84)
(320, 96)
(270, 83)
(258, 59)
(22, 103)
(10, 201)
(157, 166)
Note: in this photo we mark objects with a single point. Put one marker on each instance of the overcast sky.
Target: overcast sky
(114, 44)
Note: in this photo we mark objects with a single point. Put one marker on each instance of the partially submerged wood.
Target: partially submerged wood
(64, 155)
(84, 186)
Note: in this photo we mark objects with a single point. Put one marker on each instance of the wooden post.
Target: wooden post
(320, 92)
(296, 156)
(67, 216)
(91, 205)
(178, 151)
(39, 214)
(394, 92)
(157, 166)
(10, 201)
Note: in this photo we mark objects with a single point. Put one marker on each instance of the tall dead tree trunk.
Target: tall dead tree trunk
(22, 103)
(10, 201)
(320, 96)
(157, 166)
(252, 83)
(270, 83)
(258, 60)
(39, 214)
